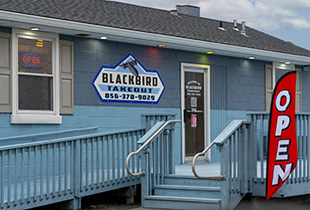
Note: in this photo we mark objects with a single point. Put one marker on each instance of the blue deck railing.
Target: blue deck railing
(157, 156)
(40, 173)
(149, 120)
(45, 172)
(234, 147)
(243, 152)
(299, 181)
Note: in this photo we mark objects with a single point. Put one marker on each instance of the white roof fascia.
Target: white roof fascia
(131, 36)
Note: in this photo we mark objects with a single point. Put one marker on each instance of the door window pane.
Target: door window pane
(35, 93)
(194, 113)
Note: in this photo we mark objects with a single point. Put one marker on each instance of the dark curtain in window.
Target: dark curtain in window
(35, 93)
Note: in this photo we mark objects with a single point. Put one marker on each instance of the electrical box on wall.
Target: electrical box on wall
(306, 68)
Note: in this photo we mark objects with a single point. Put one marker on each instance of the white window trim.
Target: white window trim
(201, 68)
(290, 67)
(275, 66)
(29, 116)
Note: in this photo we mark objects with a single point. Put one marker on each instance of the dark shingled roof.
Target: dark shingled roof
(150, 20)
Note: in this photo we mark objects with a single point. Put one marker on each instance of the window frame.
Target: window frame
(282, 66)
(35, 116)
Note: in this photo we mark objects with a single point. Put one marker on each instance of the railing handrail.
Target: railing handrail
(267, 113)
(144, 145)
(158, 114)
(66, 139)
(48, 133)
(238, 123)
(222, 176)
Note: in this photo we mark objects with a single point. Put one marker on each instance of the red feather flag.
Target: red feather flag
(282, 144)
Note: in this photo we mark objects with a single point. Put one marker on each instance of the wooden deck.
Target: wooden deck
(202, 168)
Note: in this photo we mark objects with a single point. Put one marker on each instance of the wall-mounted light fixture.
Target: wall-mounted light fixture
(307, 68)
(34, 28)
(103, 37)
(288, 62)
(209, 52)
(251, 57)
(161, 45)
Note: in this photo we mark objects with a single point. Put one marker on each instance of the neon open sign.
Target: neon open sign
(31, 59)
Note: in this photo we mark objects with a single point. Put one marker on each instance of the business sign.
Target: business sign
(193, 88)
(282, 145)
(129, 82)
(31, 59)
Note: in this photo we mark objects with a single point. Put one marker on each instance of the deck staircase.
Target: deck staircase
(185, 192)
(162, 186)
(242, 167)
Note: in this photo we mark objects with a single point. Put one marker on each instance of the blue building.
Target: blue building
(85, 83)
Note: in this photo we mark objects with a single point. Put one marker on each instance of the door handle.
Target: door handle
(193, 111)
(197, 111)
(185, 115)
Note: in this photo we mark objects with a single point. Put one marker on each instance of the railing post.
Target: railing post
(145, 179)
(241, 176)
(76, 176)
(245, 154)
(249, 161)
(145, 122)
(252, 147)
(225, 190)
(171, 142)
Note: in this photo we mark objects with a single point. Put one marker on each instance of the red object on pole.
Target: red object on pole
(282, 145)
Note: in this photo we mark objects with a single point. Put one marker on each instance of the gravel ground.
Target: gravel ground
(108, 201)
(111, 207)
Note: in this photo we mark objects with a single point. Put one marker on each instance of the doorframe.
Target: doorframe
(199, 68)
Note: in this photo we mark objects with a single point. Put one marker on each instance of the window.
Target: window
(35, 74)
(273, 73)
(35, 77)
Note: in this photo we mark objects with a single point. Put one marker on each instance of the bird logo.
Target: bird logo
(131, 66)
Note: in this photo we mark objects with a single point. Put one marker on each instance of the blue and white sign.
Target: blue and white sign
(129, 82)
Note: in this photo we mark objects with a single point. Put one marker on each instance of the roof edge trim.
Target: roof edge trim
(151, 37)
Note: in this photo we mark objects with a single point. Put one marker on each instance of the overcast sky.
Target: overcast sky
(285, 19)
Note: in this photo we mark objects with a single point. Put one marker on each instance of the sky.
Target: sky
(286, 19)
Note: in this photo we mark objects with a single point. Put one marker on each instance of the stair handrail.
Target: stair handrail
(142, 173)
(222, 176)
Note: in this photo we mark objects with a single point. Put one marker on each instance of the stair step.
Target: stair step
(188, 191)
(173, 202)
(191, 180)
(188, 187)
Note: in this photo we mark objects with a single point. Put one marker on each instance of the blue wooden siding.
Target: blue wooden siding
(106, 118)
(246, 86)
(237, 86)
(233, 81)
(220, 119)
(218, 80)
